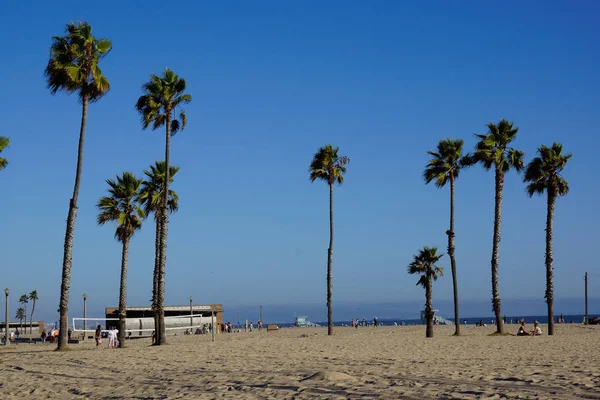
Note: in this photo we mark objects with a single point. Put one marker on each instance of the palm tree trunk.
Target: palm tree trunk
(163, 237)
(68, 246)
(123, 293)
(452, 259)
(157, 258)
(329, 262)
(31, 317)
(549, 277)
(25, 315)
(495, 250)
(429, 309)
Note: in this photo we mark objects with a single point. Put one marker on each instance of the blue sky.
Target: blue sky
(271, 82)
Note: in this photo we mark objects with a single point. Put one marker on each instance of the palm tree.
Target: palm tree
(444, 167)
(492, 151)
(24, 299)
(162, 97)
(73, 68)
(329, 167)
(120, 207)
(424, 264)
(21, 314)
(4, 143)
(543, 173)
(33, 296)
(151, 198)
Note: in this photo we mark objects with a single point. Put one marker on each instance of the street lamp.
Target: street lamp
(6, 335)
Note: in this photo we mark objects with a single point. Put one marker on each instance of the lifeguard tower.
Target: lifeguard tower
(436, 318)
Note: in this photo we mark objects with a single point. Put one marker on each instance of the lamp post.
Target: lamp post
(191, 313)
(6, 335)
(84, 315)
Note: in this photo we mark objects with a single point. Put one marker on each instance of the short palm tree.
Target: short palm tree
(151, 198)
(4, 143)
(21, 315)
(445, 166)
(121, 207)
(543, 174)
(73, 67)
(24, 299)
(424, 264)
(162, 97)
(329, 167)
(493, 151)
(33, 296)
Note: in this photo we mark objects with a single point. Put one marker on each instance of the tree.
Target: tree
(21, 315)
(24, 299)
(543, 174)
(162, 97)
(33, 296)
(120, 207)
(329, 167)
(4, 143)
(445, 166)
(73, 68)
(492, 151)
(424, 264)
(151, 197)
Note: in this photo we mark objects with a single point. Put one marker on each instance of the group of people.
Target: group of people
(356, 323)
(537, 331)
(112, 336)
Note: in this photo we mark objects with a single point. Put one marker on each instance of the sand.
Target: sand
(364, 363)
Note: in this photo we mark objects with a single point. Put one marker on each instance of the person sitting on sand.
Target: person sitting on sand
(522, 330)
(536, 330)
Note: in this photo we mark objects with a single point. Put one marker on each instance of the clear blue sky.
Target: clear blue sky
(273, 81)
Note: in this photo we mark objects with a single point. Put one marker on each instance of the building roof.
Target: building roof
(195, 307)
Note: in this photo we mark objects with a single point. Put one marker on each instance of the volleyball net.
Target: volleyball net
(178, 324)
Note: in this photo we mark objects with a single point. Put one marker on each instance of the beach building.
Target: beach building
(140, 320)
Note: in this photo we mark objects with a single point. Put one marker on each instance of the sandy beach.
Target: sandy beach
(365, 363)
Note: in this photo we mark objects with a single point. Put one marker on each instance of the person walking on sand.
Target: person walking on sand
(98, 336)
(112, 336)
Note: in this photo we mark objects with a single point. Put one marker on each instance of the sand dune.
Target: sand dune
(364, 363)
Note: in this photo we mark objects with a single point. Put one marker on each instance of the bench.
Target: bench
(272, 328)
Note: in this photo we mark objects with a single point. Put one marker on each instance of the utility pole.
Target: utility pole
(6, 334)
(84, 316)
(212, 323)
(191, 313)
(586, 298)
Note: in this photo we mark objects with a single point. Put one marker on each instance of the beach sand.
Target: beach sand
(364, 363)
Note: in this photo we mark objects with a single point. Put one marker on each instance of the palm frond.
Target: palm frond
(543, 173)
(73, 63)
(328, 166)
(120, 206)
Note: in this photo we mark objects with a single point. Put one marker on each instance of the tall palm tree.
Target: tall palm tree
(21, 315)
(329, 167)
(33, 296)
(424, 264)
(151, 199)
(73, 68)
(24, 299)
(445, 166)
(121, 207)
(162, 97)
(543, 174)
(4, 143)
(493, 151)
